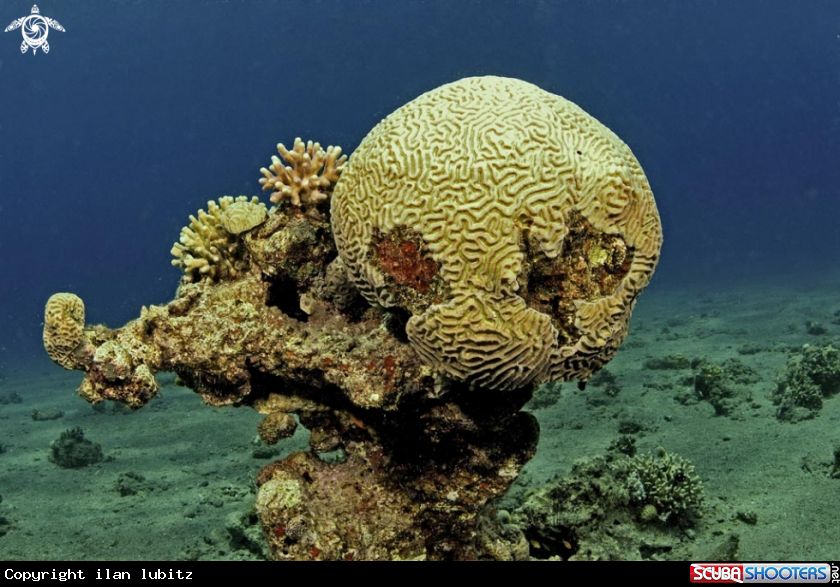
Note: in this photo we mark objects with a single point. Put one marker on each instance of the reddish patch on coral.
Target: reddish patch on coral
(280, 531)
(404, 261)
(390, 363)
(356, 422)
(315, 551)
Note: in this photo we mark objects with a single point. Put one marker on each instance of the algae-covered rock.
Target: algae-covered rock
(72, 450)
(668, 362)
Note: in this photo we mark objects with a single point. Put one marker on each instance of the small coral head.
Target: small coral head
(309, 176)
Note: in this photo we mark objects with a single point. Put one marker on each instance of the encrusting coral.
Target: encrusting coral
(426, 417)
(309, 177)
(209, 246)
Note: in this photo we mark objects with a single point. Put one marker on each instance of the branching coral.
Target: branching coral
(209, 246)
(310, 175)
(613, 508)
(669, 483)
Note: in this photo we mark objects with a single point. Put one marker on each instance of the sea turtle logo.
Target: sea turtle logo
(35, 29)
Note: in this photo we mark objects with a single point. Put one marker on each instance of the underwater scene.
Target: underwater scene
(419, 280)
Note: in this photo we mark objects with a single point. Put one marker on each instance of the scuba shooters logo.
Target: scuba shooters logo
(764, 573)
(35, 29)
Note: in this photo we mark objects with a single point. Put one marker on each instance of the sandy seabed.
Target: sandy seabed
(177, 476)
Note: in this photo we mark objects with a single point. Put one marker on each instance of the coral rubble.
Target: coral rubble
(418, 411)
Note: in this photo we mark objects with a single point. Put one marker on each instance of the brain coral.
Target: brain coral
(243, 215)
(514, 229)
(64, 327)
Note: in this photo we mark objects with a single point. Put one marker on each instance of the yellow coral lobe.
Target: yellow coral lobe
(64, 325)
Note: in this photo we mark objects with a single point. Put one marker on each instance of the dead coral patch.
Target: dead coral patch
(409, 270)
(590, 266)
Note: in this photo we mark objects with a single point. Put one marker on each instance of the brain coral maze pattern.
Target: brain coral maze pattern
(515, 229)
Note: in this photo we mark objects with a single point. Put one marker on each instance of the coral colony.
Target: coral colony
(484, 238)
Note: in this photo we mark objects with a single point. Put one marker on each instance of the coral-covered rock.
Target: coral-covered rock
(513, 235)
(614, 508)
(276, 426)
(72, 450)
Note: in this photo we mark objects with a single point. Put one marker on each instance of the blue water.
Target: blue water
(144, 110)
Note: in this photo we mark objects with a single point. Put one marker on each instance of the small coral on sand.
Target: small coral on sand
(810, 377)
(669, 483)
(614, 507)
(72, 450)
(310, 175)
